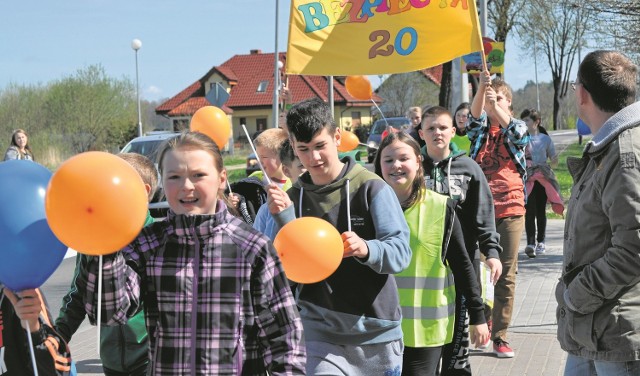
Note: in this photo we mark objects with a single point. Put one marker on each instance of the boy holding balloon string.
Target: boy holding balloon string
(352, 318)
(124, 348)
(19, 311)
(292, 168)
(215, 295)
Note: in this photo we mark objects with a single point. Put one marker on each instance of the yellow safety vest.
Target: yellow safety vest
(426, 288)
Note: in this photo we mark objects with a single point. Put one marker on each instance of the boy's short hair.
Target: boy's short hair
(145, 168)
(499, 85)
(413, 110)
(610, 77)
(286, 154)
(307, 118)
(271, 139)
(435, 111)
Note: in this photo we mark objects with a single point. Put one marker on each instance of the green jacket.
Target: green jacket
(122, 348)
(599, 293)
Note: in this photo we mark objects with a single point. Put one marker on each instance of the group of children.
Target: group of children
(214, 295)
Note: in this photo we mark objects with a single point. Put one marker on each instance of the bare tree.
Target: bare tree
(616, 24)
(502, 15)
(557, 28)
(403, 90)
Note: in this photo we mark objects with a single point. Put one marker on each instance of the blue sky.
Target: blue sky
(42, 41)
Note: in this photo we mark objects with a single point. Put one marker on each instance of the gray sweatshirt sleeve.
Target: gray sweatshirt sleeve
(389, 252)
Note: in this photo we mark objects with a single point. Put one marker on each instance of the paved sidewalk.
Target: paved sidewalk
(532, 333)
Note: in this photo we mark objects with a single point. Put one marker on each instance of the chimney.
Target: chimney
(256, 52)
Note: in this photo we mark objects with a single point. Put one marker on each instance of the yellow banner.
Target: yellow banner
(370, 37)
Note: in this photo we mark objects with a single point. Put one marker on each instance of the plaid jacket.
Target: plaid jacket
(238, 317)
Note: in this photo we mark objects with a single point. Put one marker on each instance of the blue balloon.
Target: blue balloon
(29, 251)
(583, 129)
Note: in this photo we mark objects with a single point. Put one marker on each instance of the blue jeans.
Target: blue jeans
(380, 359)
(577, 366)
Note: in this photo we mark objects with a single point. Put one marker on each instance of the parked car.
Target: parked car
(399, 123)
(148, 146)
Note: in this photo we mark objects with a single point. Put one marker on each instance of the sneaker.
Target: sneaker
(540, 249)
(501, 349)
(530, 250)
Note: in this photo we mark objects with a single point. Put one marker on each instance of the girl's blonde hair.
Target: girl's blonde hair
(191, 141)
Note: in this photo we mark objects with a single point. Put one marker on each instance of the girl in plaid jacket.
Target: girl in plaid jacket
(216, 298)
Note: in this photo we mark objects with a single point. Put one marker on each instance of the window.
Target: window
(262, 86)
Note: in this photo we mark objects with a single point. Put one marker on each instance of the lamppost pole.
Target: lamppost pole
(276, 74)
(136, 44)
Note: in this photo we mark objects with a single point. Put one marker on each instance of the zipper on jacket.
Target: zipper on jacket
(239, 353)
(194, 303)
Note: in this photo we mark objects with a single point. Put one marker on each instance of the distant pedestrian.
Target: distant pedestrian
(19, 146)
(541, 182)
(415, 116)
(460, 117)
(599, 293)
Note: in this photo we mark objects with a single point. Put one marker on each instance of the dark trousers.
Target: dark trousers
(140, 371)
(420, 361)
(455, 355)
(536, 212)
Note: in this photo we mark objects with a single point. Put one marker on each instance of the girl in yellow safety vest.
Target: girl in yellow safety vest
(426, 288)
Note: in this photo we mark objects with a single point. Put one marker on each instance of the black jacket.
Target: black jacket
(15, 357)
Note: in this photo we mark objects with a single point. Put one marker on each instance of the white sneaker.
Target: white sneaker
(540, 249)
(530, 250)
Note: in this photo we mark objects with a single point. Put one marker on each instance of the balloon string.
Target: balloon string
(380, 111)
(229, 186)
(33, 355)
(99, 323)
(256, 154)
(348, 208)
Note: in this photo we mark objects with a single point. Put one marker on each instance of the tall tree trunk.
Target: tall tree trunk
(444, 99)
(556, 102)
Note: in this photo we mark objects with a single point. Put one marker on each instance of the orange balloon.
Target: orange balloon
(213, 122)
(96, 203)
(348, 141)
(359, 87)
(310, 249)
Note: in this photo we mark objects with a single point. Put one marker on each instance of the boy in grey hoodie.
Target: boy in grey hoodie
(351, 319)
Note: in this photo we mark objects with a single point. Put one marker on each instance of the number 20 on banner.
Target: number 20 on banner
(382, 47)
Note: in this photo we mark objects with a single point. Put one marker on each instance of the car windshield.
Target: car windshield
(146, 148)
(380, 125)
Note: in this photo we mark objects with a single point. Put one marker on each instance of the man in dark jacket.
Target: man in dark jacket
(599, 293)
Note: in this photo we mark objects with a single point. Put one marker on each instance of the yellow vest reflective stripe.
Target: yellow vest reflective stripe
(426, 288)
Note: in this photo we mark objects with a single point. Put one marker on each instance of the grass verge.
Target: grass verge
(562, 174)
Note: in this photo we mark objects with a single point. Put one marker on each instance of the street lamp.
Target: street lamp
(136, 44)
(277, 64)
